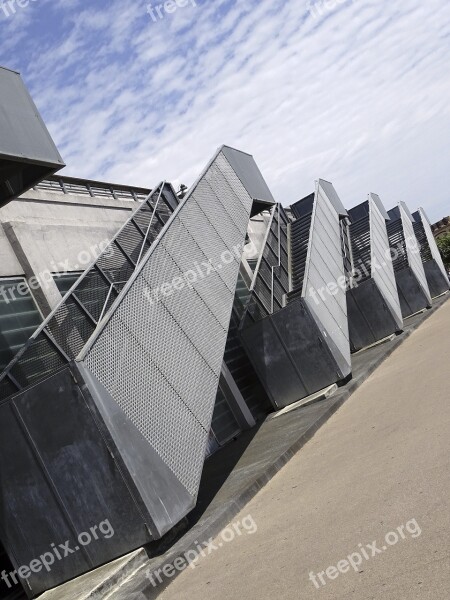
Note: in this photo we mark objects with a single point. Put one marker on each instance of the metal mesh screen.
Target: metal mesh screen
(160, 354)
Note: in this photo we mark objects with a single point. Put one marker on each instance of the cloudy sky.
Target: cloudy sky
(357, 93)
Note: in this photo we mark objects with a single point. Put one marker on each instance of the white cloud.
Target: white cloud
(359, 96)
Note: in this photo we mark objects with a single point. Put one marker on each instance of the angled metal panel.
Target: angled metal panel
(333, 197)
(173, 393)
(27, 152)
(413, 250)
(382, 268)
(421, 217)
(410, 276)
(325, 266)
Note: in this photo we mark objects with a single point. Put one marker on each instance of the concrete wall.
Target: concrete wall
(49, 231)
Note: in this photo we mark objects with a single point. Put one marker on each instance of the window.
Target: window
(19, 318)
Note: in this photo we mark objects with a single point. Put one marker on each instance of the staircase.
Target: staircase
(238, 362)
(63, 335)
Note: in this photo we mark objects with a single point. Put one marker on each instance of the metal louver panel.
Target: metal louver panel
(361, 248)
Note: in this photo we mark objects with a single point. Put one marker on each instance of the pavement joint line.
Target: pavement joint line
(218, 521)
(389, 338)
(317, 397)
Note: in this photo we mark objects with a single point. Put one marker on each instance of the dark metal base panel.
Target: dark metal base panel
(412, 297)
(70, 460)
(369, 317)
(437, 283)
(290, 355)
(161, 497)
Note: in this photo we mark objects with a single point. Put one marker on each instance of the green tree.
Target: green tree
(443, 243)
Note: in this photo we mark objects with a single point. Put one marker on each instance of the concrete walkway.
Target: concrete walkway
(380, 465)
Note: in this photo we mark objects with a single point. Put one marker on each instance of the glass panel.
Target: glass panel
(19, 318)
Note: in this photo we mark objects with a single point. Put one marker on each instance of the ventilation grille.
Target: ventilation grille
(360, 240)
(398, 245)
(300, 235)
(425, 252)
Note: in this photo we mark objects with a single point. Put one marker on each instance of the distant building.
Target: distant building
(441, 228)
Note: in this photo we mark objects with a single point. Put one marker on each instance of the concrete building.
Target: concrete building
(441, 228)
(141, 330)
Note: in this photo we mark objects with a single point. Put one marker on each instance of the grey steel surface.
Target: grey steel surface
(246, 169)
(413, 251)
(411, 294)
(374, 310)
(171, 350)
(325, 267)
(410, 276)
(382, 267)
(148, 370)
(333, 197)
(435, 270)
(58, 479)
(27, 151)
(291, 355)
(370, 318)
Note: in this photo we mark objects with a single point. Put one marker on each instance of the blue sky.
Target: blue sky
(358, 95)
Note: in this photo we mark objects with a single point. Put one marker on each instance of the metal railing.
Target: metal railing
(92, 189)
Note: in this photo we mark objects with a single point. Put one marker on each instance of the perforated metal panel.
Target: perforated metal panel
(160, 354)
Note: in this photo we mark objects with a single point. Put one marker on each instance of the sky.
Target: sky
(353, 91)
